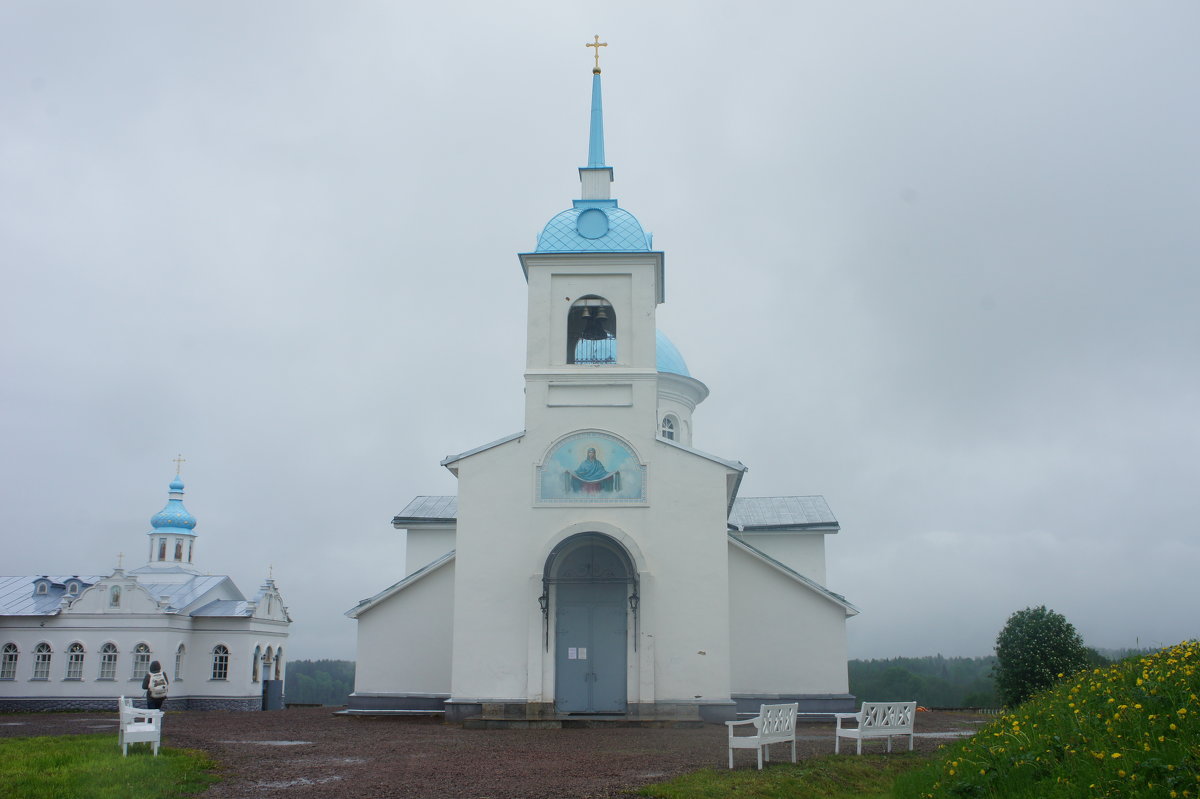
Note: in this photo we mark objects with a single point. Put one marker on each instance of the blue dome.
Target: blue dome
(174, 515)
(593, 227)
(668, 358)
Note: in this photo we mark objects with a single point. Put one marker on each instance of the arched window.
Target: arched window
(141, 661)
(42, 588)
(75, 653)
(179, 549)
(669, 426)
(591, 332)
(190, 542)
(72, 588)
(108, 661)
(180, 654)
(162, 549)
(220, 662)
(41, 661)
(8, 662)
(254, 663)
(279, 663)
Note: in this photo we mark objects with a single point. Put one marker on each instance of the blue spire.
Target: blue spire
(596, 137)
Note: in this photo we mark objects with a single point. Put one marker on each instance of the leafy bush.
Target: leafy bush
(1035, 648)
(1131, 730)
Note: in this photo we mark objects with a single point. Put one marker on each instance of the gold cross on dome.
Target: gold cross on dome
(597, 44)
(178, 460)
(120, 559)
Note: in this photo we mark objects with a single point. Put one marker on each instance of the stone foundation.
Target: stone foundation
(809, 703)
(109, 705)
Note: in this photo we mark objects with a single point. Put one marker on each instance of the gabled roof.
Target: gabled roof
(180, 595)
(224, 608)
(18, 599)
(426, 570)
(788, 571)
(451, 459)
(428, 509)
(751, 514)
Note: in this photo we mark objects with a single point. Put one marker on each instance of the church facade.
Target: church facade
(597, 562)
(77, 642)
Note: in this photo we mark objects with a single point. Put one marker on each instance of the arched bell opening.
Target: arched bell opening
(591, 332)
(589, 584)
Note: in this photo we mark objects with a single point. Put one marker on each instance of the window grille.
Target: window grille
(141, 661)
(41, 661)
(8, 662)
(220, 662)
(108, 661)
(75, 654)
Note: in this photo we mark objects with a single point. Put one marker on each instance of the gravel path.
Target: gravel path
(309, 753)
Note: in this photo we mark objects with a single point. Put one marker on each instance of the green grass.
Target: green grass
(1131, 730)
(830, 777)
(91, 767)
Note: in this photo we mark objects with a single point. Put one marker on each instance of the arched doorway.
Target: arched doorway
(593, 579)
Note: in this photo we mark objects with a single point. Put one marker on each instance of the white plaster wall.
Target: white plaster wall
(802, 551)
(786, 638)
(426, 544)
(162, 633)
(503, 542)
(405, 642)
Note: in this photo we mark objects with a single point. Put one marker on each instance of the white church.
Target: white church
(77, 642)
(597, 562)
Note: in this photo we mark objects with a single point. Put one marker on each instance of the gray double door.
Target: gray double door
(590, 647)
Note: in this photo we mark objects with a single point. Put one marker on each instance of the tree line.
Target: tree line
(933, 681)
(318, 682)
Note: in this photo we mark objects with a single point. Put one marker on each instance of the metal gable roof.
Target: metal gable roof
(224, 608)
(180, 595)
(782, 513)
(18, 599)
(428, 509)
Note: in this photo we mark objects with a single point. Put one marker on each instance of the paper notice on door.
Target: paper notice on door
(572, 653)
(583, 653)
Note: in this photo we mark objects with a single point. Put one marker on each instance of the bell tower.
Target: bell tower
(595, 282)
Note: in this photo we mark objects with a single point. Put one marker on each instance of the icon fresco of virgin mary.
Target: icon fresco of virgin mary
(591, 477)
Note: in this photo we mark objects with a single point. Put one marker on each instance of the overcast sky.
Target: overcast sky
(936, 261)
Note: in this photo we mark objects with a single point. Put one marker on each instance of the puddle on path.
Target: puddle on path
(270, 743)
(13, 723)
(296, 783)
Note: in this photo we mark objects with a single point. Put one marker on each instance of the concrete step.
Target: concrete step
(578, 722)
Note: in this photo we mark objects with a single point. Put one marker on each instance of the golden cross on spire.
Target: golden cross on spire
(597, 44)
(120, 559)
(178, 460)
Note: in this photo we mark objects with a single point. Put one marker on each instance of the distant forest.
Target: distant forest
(936, 681)
(933, 681)
(318, 682)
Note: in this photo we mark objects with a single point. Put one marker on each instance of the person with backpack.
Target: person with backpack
(155, 685)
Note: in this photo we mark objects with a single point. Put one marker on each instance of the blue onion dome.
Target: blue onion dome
(668, 357)
(594, 226)
(174, 515)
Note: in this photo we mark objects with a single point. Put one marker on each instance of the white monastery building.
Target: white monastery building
(80, 641)
(597, 562)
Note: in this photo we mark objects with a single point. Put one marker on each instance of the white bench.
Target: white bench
(774, 724)
(138, 726)
(877, 720)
